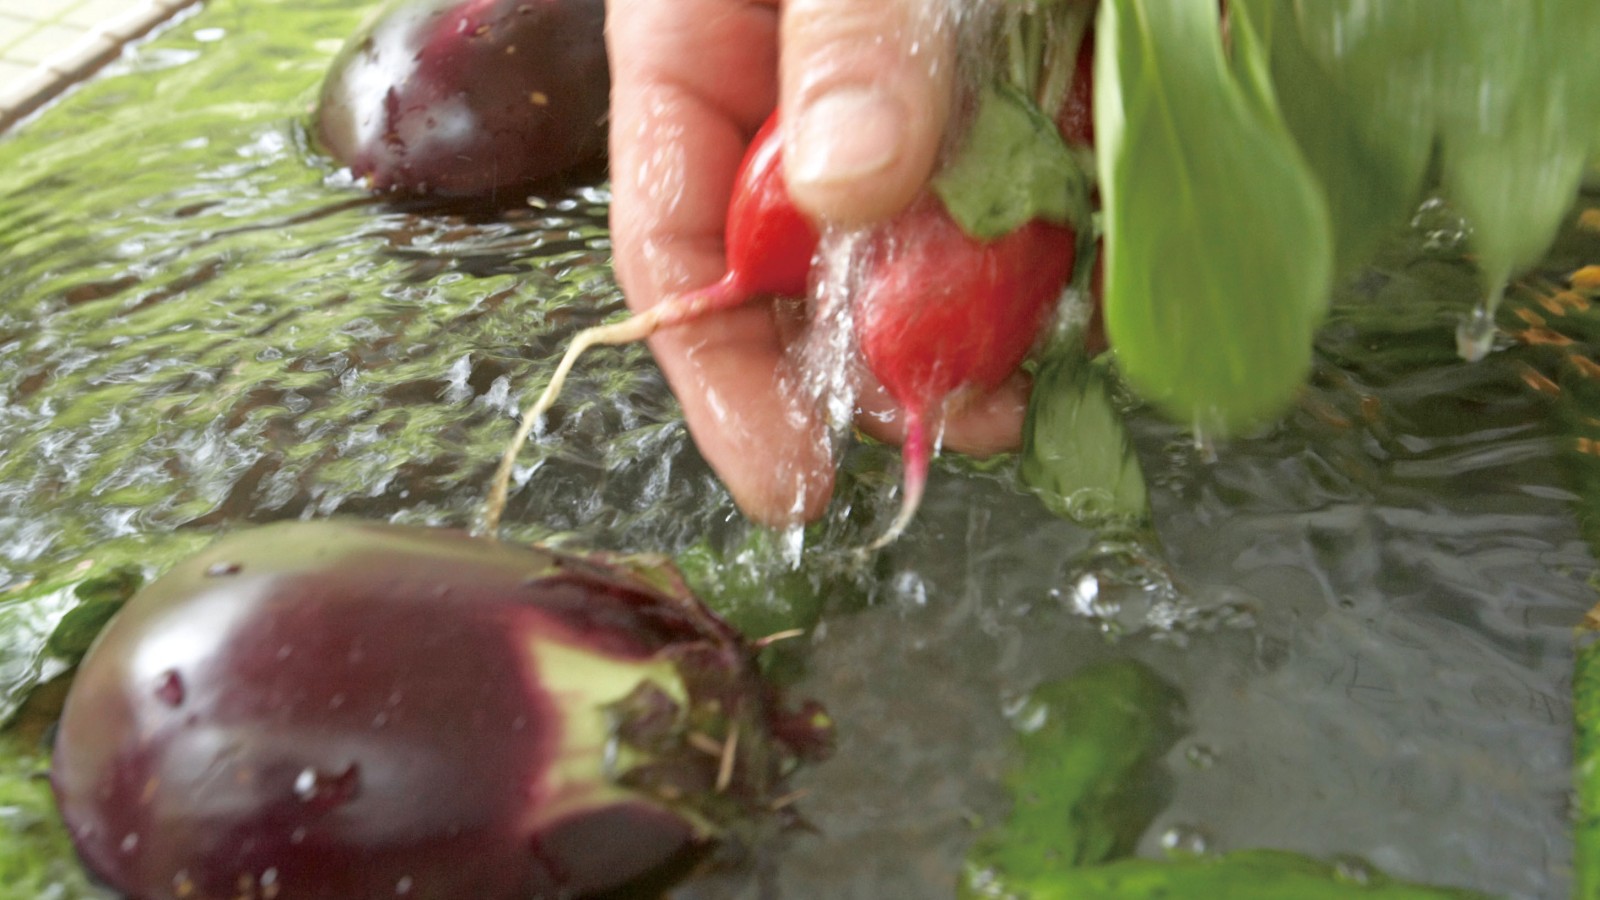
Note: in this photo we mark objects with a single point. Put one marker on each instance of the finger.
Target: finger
(679, 128)
(865, 90)
(976, 425)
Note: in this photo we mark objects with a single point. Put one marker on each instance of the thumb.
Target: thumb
(865, 92)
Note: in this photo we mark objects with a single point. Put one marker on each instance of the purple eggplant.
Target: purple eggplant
(339, 711)
(469, 98)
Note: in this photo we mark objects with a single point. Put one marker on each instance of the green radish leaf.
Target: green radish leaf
(1515, 86)
(1013, 168)
(1352, 79)
(1218, 241)
(1076, 455)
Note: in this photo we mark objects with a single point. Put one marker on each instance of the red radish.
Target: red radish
(769, 246)
(939, 313)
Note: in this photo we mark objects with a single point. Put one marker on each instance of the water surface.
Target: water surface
(1368, 607)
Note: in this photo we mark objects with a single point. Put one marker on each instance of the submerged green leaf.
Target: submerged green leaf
(1586, 770)
(1218, 241)
(1244, 875)
(1088, 779)
(1013, 168)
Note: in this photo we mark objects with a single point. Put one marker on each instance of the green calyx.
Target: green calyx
(1013, 168)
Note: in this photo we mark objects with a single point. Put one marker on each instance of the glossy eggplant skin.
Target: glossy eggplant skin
(338, 711)
(469, 98)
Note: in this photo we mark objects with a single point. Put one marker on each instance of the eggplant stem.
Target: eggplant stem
(788, 800)
(705, 743)
(730, 755)
(765, 642)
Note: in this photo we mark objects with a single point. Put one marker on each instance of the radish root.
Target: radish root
(728, 292)
(915, 456)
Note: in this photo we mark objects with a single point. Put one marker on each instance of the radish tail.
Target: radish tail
(726, 293)
(915, 455)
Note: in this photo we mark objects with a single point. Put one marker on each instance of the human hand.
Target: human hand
(864, 86)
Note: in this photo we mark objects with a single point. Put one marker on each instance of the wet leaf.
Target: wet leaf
(1586, 770)
(1516, 87)
(1218, 242)
(1352, 78)
(1244, 875)
(1076, 455)
(1013, 168)
(1088, 779)
(99, 597)
(46, 625)
(36, 859)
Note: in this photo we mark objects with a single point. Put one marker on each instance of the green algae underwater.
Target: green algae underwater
(1361, 619)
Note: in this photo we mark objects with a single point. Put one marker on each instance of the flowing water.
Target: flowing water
(1369, 607)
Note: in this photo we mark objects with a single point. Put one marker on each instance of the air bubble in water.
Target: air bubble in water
(1026, 713)
(1185, 840)
(1442, 230)
(1125, 589)
(1200, 756)
(1354, 870)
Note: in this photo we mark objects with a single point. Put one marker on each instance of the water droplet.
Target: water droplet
(1026, 714)
(910, 589)
(182, 885)
(1475, 334)
(130, 842)
(297, 836)
(403, 886)
(284, 652)
(169, 688)
(1204, 441)
(313, 786)
(380, 720)
(1354, 870)
(1200, 756)
(1442, 229)
(221, 569)
(1185, 840)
